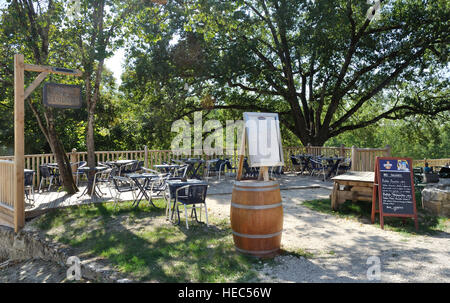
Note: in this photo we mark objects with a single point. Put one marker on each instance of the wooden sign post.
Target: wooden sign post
(394, 186)
(20, 94)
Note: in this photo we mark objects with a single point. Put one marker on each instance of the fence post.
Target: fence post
(388, 151)
(145, 156)
(342, 151)
(74, 159)
(354, 158)
(308, 148)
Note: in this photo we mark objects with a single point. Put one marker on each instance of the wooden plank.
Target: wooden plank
(35, 84)
(52, 70)
(19, 156)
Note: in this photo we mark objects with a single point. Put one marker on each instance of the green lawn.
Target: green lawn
(144, 246)
(361, 210)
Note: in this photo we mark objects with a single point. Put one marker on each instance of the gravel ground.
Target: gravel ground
(339, 248)
(33, 271)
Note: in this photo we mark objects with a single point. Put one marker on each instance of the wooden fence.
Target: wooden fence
(431, 162)
(363, 159)
(7, 193)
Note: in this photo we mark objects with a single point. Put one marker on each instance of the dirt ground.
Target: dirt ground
(339, 249)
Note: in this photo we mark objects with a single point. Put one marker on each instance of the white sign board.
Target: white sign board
(263, 138)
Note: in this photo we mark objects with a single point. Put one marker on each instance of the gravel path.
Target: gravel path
(340, 247)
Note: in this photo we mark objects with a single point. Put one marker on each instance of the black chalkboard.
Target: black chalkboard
(394, 181)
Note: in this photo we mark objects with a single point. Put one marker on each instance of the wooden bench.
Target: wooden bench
(357, 186)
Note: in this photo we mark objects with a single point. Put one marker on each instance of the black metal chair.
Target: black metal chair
(46, 175)
(78, 173)
(344, 166)
(130, 168)
(217, 168)
(296, 163)
(122, 185)
(250, 172)
(103, 177)
(191, 195)
(319, 167)
(229, 166)
(29, 188)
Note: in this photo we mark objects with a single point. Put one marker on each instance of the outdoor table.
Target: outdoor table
(86, 170)
(119, 163)
(192, 170)
(142, 186)
(167, 168)
(173, 186)
(333, 163)
(358, 185)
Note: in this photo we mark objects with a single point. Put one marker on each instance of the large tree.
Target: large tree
(324, 66)
(32, 28)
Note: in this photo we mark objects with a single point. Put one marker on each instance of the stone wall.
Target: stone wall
(26, 245)
(436, 198)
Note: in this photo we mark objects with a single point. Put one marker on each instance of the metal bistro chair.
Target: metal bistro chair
(46, 175)
(344, 166)
(78, 173)
(296, 164)
(229, 166)
(122, 185)
(29, 188)
(194, 194)
(104, 177)
(129, 168)
(217, 167)
(318, 167)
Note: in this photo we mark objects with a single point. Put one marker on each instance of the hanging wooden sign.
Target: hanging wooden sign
(62, 95)
(395, 188)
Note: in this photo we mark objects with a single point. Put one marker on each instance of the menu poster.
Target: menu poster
(395, 185)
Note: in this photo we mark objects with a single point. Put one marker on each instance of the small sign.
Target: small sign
(62, 95)
(394, 183)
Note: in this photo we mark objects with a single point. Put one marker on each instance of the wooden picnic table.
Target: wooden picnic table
(357, 186)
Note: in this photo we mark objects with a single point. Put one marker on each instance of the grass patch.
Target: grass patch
(361, 211)
(141, 244)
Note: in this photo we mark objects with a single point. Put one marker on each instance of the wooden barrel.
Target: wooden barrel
(257, 217)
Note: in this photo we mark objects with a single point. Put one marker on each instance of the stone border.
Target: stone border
(26, 245)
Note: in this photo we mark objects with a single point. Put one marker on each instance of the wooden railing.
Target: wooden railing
(363, 159)
(7, 193)
(431, 162)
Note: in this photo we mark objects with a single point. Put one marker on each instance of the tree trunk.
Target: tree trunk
(90, 144)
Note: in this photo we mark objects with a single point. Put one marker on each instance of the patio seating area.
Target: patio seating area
(324, 166)
(147, 184)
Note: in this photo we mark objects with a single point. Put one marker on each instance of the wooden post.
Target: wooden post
(387, 153)
(145, 156)
(241, 157)
(354, 157)
(74, 159)
(342, 151)
(19, 144)
(263, 173)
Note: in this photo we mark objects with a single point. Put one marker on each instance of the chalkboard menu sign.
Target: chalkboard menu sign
(395, 187)
(62, 95)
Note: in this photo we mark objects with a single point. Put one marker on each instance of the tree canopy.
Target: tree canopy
(334, 75)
